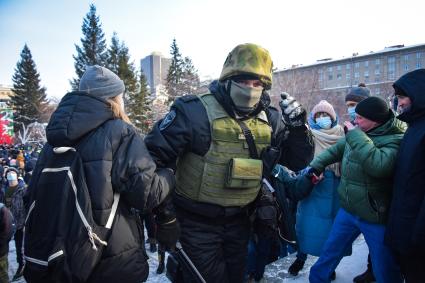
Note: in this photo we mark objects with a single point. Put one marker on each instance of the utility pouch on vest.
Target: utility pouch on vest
(244, 173)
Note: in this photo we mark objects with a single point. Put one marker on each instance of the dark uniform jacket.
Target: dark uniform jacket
(115, 159)
(187, 129)
(406, 225)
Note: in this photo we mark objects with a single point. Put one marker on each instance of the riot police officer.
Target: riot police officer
(215, 142)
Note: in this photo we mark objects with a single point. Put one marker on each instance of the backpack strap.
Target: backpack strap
(63, 149)
(113, 210)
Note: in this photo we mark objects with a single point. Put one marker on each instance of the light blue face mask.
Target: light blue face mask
(324, 122)
(352, 112)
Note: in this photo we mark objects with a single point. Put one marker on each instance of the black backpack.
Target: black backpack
(62, 242)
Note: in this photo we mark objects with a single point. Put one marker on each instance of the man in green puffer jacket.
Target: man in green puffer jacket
(367, 155)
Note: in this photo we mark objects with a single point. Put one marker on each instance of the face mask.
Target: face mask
(324, 122)
(245, 97)
(352, 112)
(12, 177)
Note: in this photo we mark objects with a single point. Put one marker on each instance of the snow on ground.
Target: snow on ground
(348, 268)
(276, 272)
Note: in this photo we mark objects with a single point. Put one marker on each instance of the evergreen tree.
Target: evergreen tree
(29, 100)
(118, 61)
(182, 78)
(175, 73)
(93, 46)
(140, 106)
(190, 79)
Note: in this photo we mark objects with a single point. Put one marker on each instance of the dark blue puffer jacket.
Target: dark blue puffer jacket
(406, 224)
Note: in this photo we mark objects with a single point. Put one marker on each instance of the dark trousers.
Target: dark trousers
(412, 267)
(216, 246)
(261, 251)
(19, 234)
(149, 222)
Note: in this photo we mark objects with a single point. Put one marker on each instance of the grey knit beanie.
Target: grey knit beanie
(358, 93)
(101, 82)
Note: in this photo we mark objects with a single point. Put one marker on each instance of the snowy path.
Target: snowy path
(275, 272)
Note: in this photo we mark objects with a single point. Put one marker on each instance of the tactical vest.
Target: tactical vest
(203, 178)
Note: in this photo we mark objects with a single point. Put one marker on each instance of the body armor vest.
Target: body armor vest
(203, 178)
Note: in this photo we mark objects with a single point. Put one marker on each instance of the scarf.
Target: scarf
(323, 139)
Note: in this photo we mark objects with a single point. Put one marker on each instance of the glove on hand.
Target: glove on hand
(293, 114)
(167, 234)
(167, 226)
(312, 173)
(265, 223)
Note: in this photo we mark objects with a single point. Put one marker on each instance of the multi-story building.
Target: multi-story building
(5, 93)
(155, 68)
(331, 79)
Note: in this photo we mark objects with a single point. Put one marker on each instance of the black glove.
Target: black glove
(293, 114)
(265, 223)
(167, 226)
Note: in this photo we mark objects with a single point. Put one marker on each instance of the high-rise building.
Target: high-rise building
(331, 79)
(155, 68)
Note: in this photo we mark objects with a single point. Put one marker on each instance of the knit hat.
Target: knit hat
(358, 93)
(374, 109)
(324, 106)
(101, 82)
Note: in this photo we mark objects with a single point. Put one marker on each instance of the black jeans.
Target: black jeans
(216, 246)
(19, 234)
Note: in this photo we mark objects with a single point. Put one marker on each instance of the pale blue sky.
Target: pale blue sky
(295, 32)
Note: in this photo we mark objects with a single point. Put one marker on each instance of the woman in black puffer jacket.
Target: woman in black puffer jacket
(115, 160)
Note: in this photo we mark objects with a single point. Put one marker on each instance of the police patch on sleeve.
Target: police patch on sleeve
(168, 120)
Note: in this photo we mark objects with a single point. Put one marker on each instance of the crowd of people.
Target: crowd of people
(234, 182)
(16, 166)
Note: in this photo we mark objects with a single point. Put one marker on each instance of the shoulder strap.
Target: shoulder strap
(249, 139)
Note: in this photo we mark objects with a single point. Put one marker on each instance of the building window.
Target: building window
(357, 65)
(377, 72)
(418, 65)
(356, 75)
(330, 69)
(418, 55)
(378, 91)
(338, 76)
(348, 66)
(338, 68)
(378, 62)
(391, 75)
(366, 74)
(406, 57)
(330, 77)
(391, 60)
(347, 76)
(406, 67)
(366, 63)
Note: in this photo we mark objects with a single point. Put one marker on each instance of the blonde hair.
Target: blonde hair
(117, 109)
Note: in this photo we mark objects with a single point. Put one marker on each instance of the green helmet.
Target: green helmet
(248, 59)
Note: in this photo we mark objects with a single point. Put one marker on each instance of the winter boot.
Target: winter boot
(365, 277)
(296, 266)
(19, 273)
